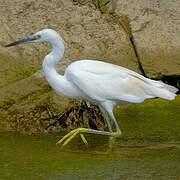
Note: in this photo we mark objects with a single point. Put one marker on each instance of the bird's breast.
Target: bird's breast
(63, 87)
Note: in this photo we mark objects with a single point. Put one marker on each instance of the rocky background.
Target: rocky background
(139, 34)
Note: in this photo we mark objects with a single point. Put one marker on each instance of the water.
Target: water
(149, 148)
(37, 157)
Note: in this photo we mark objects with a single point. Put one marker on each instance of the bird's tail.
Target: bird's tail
(163, 90)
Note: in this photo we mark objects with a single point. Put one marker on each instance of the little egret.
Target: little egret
(96, 81)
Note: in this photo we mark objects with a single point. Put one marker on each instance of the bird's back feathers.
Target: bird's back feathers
(104, 81)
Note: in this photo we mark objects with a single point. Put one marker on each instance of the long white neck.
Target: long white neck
(53, 58)
(58, 82)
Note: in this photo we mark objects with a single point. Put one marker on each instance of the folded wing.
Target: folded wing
(104, 81)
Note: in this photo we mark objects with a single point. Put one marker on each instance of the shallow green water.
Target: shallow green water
(148, 149)
(37, 157)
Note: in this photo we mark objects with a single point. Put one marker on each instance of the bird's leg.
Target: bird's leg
(83, 139)
(68, 137)
(106, 118)
(70, 134)
(118, 131)
(108, 107)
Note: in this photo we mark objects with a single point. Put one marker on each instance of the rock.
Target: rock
(141, 36)
(155, 27)
(86, 33)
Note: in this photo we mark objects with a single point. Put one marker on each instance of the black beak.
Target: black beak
(23, 41)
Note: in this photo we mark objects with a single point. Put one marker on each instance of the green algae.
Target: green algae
(149, 148)
(21, 72)
(37, 157)
(14, 69)
(154, 120)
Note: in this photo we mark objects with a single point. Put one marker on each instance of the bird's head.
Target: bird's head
(45, 35)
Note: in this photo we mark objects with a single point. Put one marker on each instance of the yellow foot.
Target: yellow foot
(68, 137)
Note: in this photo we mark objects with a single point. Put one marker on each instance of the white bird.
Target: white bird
(96, 81)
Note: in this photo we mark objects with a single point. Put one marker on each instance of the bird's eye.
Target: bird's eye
(38, 36)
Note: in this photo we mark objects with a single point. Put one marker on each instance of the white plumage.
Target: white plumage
(96, 81)
(102, 81)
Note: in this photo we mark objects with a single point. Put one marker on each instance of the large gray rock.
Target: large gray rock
(139, 35)
(155, 27)
(86, 33)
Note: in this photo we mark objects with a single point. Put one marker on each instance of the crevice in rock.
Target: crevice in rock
(107, 9)
(137, 56)
(124, 22)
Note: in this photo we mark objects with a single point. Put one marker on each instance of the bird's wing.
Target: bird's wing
(105, 81)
